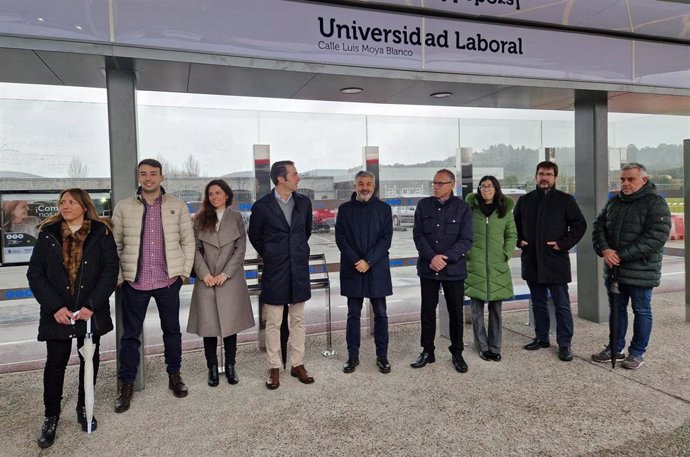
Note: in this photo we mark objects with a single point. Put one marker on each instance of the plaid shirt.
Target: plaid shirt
(152, 270)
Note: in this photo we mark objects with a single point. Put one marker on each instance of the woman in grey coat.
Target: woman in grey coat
(220, 300)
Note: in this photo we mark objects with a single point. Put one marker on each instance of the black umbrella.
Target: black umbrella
(284, 334)
(614, 294)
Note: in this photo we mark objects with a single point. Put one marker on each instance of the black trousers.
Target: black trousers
(454, 291)
(210, 345)
(58, 352)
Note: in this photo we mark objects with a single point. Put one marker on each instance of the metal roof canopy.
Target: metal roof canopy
(54, 62)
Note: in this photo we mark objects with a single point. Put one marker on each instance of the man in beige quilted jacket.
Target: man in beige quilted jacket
(155, 242)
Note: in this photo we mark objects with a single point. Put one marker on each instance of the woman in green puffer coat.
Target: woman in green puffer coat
(489, 279)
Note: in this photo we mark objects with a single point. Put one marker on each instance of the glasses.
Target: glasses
(489, 187)
(440, 183)
(541, 174)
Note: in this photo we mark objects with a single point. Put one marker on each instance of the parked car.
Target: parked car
(194, 207)
(323, 219)
(403, 215)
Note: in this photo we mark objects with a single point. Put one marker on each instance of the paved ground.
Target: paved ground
(529, 404)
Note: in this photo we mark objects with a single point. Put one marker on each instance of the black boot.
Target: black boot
(125, 391)
(231, 374)
(48, 431)
(213, 376)
(81, 418)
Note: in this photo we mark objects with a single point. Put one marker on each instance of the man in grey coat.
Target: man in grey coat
(363, 233)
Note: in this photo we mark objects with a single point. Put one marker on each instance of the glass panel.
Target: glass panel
(51, 138)
(657, 143)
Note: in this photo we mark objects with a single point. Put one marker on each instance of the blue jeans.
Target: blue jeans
(641, 300)
(540, 308)
(353, 329)
(134, 305)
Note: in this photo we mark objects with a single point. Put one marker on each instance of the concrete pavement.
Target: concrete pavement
(528, 404)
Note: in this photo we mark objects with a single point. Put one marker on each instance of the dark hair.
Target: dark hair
(207, 216)
(450, 174)
(279, 169)
(151, 163)
(499, 197)
(84, 199)
(547, 165)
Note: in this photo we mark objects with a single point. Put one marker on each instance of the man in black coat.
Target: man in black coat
(442, 234)
(549, 223)
(279, 230)
(363, 233)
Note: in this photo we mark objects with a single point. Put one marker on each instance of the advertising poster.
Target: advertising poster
(22, 213)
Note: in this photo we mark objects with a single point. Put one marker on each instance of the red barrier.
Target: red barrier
(677, 227)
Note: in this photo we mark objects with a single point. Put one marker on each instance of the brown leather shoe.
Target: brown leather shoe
(300, 373)
(273, 380)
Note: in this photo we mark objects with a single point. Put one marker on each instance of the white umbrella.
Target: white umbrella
(87, 351)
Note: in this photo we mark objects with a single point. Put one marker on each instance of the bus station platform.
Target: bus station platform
(528, 404)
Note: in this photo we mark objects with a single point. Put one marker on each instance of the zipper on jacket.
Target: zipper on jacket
(486, 254)
(76, 301)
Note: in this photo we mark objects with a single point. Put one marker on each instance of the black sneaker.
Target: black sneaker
(605, 356)
(633, 362)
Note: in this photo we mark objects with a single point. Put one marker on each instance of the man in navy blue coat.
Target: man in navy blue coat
(442, 234)
(279, 230)
(363, 233)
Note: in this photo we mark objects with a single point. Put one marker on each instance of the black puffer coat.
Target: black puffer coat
(637, 227)
(541, 217)
(96, 281)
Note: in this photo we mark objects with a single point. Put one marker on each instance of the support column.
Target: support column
(591, 174)
(464, 165)
(262, 169)
(262, 186)
(686, 216)
(370, 157)
(122, 130)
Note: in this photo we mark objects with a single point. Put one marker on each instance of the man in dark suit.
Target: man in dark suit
(279, 230)
(549, 224)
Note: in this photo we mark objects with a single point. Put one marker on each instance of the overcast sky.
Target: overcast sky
(43, 127)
